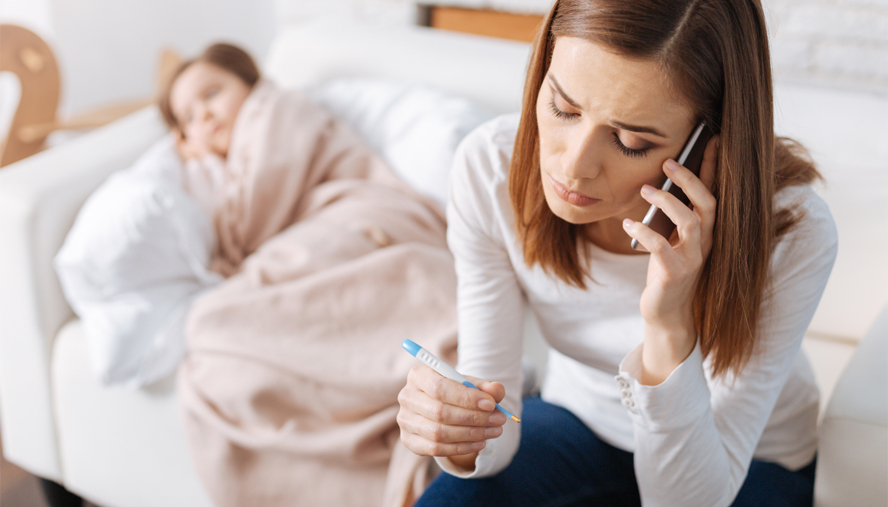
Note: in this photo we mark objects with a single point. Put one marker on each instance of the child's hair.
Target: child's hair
(225, 56)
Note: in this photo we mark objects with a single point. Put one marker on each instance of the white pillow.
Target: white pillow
(132, 263)
(415, 128)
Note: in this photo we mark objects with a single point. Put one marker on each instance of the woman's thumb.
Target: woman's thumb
(495, 389)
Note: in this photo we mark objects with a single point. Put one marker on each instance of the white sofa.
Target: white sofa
(121, 448)
(852, 467)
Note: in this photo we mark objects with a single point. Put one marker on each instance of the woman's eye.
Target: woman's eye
(212, 91)
(558, 113)
(629, 152)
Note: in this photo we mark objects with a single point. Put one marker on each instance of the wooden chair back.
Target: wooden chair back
(25, 54)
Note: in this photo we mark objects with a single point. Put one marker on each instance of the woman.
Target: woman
(675, 377)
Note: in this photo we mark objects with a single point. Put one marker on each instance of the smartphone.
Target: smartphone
(691, 157)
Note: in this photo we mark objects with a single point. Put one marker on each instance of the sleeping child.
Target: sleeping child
(203, 97)
(289, 387)
(200, 104)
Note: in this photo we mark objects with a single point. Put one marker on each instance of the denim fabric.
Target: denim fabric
(562, 463)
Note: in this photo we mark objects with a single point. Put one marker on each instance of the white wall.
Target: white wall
(840, 43)
(377, 12)
(837, 43)
(108, 49)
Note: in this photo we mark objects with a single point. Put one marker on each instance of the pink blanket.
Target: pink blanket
(289, 389)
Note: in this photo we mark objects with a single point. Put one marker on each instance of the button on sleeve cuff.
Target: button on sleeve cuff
(676, 402)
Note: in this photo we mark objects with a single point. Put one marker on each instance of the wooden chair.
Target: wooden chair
(25, 54)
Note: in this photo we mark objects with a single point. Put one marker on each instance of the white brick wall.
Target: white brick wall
(842, 43)
(839, 43)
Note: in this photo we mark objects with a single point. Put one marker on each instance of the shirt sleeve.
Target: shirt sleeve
(490, 301)
(694, 436)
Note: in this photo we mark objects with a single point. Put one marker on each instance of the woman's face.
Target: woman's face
(205, 100)
(606, 123)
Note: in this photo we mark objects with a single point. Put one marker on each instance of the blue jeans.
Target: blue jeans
(562, 463)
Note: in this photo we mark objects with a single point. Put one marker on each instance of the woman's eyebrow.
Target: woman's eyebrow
(558, 88)
(635, 128)
(619, 125)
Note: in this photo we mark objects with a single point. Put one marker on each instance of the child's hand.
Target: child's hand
(187, 150)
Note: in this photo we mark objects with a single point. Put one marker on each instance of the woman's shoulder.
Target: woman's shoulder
(814, 232)
(481, 162)
(498, 131)
(479, 178)
(804, 202)
(487, 150)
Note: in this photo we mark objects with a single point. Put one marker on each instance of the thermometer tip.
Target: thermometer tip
(411, 347)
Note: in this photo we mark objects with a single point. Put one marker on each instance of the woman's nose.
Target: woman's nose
(581, 159)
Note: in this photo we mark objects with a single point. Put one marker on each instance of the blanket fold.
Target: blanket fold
(289, 389)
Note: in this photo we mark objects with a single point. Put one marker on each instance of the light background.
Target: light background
(108, 52)
(108, 49)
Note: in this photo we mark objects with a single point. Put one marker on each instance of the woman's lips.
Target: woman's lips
(575, 198)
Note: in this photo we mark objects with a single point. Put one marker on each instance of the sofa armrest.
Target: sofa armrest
(39, 199)
(852, 460)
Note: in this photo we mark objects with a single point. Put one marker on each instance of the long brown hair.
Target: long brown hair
(715, 53)
(227, 57)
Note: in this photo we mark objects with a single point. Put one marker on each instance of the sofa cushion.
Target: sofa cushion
(415, 128)
(119, 446)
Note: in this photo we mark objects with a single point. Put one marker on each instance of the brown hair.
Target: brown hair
(225, 56)
(715, 53)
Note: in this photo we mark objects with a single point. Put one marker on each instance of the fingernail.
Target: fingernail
(477, 446)
(493, 432)
(647, 190)
(486, 405)
(627, 223)
(497, 418)
(672, 165)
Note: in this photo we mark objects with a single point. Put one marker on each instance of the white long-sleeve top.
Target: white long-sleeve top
(693, 436)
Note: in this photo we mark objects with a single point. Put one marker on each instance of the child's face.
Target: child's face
(205, 100)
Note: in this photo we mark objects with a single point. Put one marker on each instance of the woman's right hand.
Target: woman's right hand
(441, 417)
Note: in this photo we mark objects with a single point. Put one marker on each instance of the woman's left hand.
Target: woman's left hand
(667, 303)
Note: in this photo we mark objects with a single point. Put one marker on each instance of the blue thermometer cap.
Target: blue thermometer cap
(411, 347)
